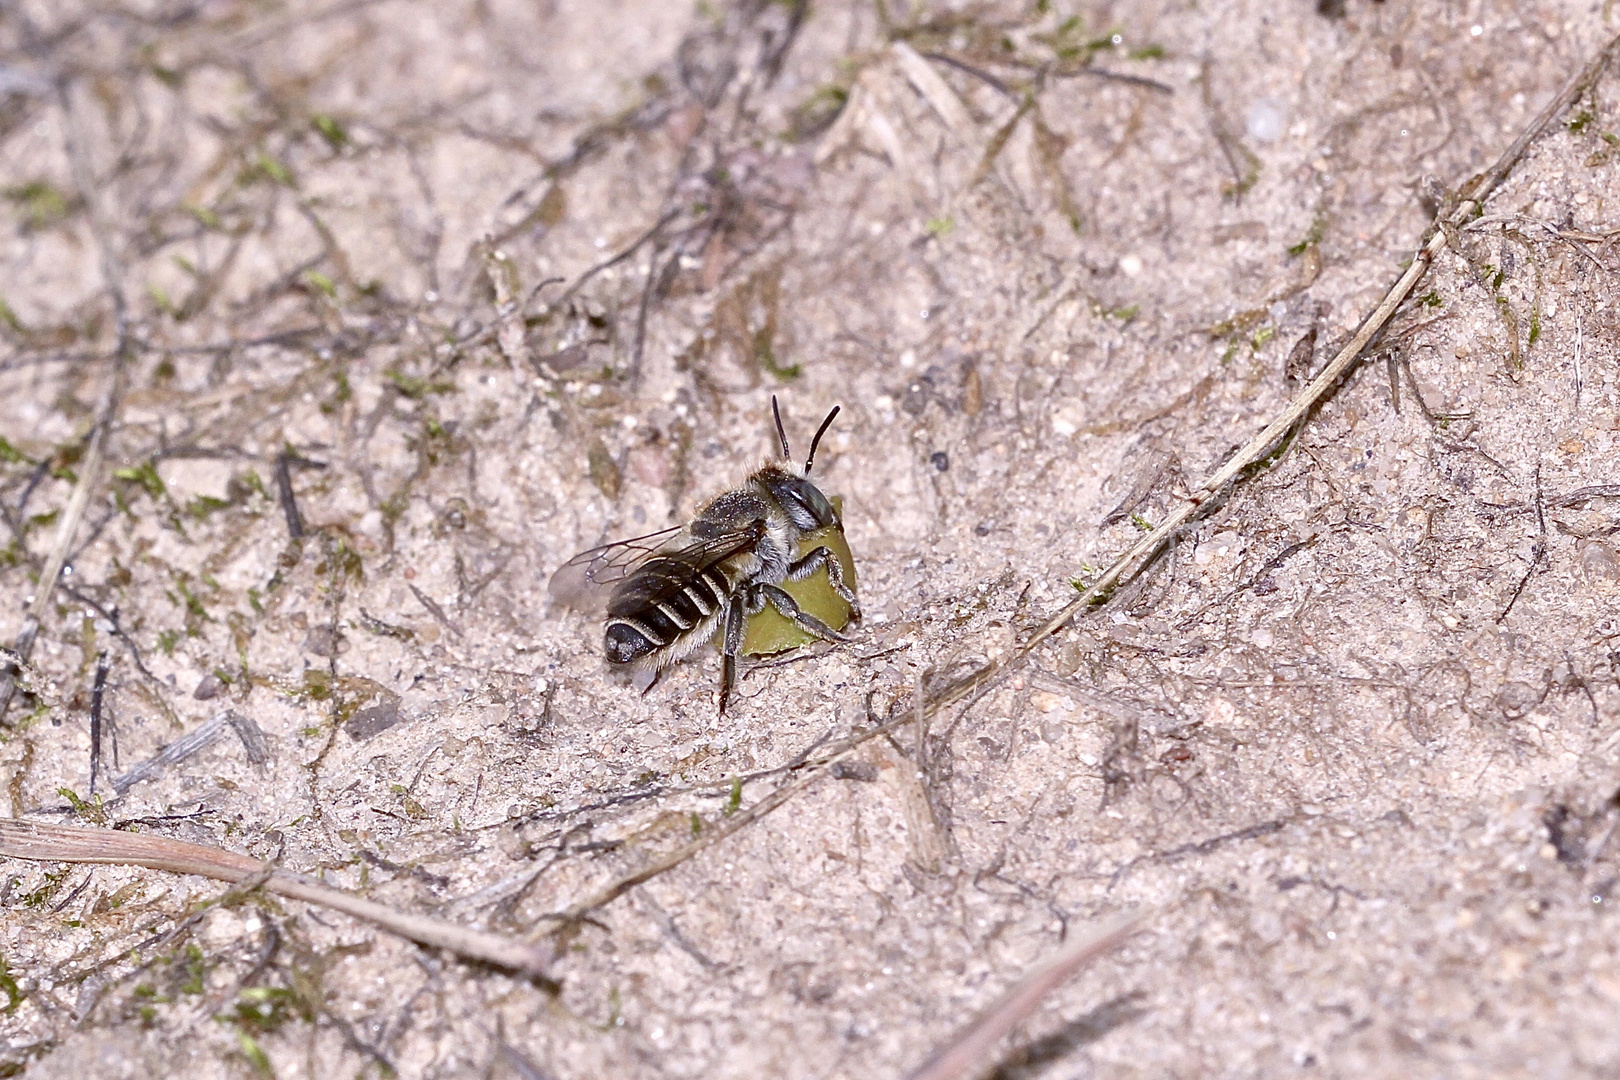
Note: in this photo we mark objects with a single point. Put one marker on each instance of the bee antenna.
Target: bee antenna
(815, 442)
(781, 434)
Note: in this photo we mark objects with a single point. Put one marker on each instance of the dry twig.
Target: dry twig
(968, 1049)
(1473, 196)
(70, 843)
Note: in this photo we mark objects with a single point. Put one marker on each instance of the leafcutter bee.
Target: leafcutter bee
(762, 568)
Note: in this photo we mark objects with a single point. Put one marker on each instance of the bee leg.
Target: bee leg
(782, 602)
(823, 556)
(731, 645)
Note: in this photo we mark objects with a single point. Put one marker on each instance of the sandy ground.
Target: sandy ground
(482, 284)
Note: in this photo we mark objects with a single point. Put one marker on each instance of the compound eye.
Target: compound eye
(814, 509)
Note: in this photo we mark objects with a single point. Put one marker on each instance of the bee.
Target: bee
(670, 591)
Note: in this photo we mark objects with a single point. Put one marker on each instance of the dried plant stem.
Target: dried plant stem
(70, 843)
(969, 1048)
(61, 544)
(1473, 196)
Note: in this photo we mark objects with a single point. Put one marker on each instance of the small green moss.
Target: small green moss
(167, 640)
(168, 76)
(42, 895)
(320, 282)
(765, 353)
(415, 388)
(160, 299)
(1148, 52)
(1142, 523)
(265, 1008)
(330, 130)
(268, 168)
(1238, 324)
(1088, 574)
(1581, 121)
(8, 986)
(195, 612)
(89, 809)
(256, 1057)
(317, 685)
(941, 226)
(817, 112)
(146, 475)
(1432, 299)
(349, 563)
(203, 506)
(205, 217)
(196, 970)
(734, 800)
(393, 508)
(697, 823)
(1313, 236)
(42, 203)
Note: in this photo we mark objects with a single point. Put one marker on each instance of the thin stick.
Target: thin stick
(97, 700)
(41, 841)
(289, 499)
(1475, 192)
(78, 500)
(965, 1053)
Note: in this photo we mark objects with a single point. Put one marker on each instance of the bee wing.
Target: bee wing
(585, 581)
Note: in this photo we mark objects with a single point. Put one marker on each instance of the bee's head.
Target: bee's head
(800, 499)
(803, 502)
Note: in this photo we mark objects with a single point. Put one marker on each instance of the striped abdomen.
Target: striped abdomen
(664, 602)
